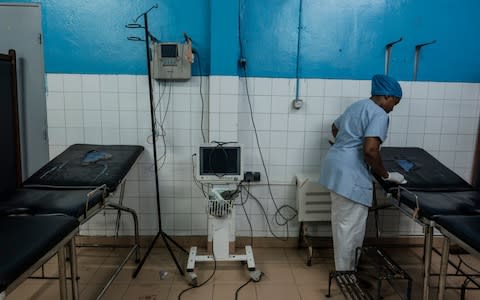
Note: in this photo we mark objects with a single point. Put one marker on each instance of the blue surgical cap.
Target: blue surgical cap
(383, 85)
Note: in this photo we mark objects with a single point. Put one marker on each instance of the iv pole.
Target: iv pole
(160, 232)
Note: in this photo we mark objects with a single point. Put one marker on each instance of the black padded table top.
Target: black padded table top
(26, 239)
(465, 228)
(426, 173)
(434, 204)
(45, 201)
(68, 170)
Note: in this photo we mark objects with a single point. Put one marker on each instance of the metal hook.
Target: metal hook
(417, 57)
(142, 14)
(134, 25)
(135, 39)
(388, 49)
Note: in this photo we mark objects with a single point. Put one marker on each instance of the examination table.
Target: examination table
(68, 186)
(435, 197)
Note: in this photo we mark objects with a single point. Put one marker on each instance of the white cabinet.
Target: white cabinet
(313, 200)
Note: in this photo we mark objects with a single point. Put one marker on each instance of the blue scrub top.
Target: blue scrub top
(343, 169)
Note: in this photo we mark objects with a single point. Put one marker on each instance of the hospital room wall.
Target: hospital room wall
(440, 117)
(97, 92)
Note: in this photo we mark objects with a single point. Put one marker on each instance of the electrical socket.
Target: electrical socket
(251, 176)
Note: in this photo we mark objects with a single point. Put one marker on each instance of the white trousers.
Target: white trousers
(349, 220)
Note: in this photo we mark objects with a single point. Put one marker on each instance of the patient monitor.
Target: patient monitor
(172, 61)
(220, 166)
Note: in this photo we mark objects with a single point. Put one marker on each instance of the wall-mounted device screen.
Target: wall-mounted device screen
(172, 61)
(169, 50)
(220, 163)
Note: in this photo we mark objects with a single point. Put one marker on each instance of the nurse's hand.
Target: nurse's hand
(395, 177)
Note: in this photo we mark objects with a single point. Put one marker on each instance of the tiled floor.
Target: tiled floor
(286, 277)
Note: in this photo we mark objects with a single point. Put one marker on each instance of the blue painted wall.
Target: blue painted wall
(340, 38)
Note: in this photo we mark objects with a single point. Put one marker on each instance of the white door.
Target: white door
(21, 30)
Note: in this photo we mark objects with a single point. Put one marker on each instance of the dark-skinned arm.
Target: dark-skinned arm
(334, 133)
(371, 154)
(334, 130)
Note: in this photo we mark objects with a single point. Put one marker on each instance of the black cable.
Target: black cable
(268, 222)
(238, 290)
(201, 94)
(244, 68)
(246, 215)
(203, 283)
(199, 184)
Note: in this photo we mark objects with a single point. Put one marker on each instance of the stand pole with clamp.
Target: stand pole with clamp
(160, 232)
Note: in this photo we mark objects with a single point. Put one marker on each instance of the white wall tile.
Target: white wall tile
(127, 83)
(436, 90)
(55, 82)
(283, 87)
(74, 118)
(93, 135)
(127, 101)
(109, 83)
(75, 135)
(55, 101)
(333, 88)
(333, 106)
(228, 121)
(278, 122)
(110, 119)
(128, 136)
(434, 107)
(263, 86)
(419, 90)
(350, 88)
(296, 139)
(92, 118)
(262, 104)
(262, 121)
(110, 136)
(451, 108)
(296, 122)
(453, 90)
(91, 100)
(470, 91)
(90, 83)
(73, 100)
(57, 136)
(281, 104)
(72, 83)
(109, 101)
(128, 119)
(229, 85)
(56, 118)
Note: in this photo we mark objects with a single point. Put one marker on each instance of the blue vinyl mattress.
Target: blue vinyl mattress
(76, 167)
(422, 171)
(26, 239)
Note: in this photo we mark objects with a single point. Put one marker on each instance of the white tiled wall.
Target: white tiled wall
(110, 109)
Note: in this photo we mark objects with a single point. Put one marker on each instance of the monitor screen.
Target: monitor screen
(220, 163)
(169, 50)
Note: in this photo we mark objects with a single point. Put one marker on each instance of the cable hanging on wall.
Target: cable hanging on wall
(148, 37)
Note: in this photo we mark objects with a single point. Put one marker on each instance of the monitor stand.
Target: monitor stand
(221, 217)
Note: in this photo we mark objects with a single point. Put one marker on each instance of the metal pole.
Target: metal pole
(443, 268)
(388, 49)
(428, 261)
(417, 58)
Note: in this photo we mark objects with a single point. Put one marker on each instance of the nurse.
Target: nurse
(345, 171)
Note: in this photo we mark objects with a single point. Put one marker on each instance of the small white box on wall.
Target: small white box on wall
(313, 200)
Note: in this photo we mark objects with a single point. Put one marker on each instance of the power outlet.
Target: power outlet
(251, 176)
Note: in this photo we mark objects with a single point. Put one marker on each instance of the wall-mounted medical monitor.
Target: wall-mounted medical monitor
(220, 163)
